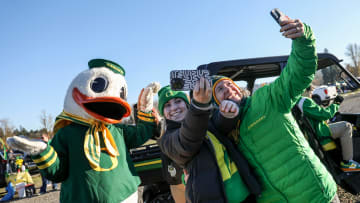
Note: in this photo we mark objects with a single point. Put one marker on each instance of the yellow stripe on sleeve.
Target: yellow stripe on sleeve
(146, 119)
(48, 164)
(45, 157)
(145, 114)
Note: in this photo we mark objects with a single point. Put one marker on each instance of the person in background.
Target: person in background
(21, 181)
(269, 136)
(19, 162)
(11, 161)
(10, 192)
(318, 117)
(45, 138)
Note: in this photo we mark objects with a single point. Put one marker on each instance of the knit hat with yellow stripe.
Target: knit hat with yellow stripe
(116, 68)
(216, 79)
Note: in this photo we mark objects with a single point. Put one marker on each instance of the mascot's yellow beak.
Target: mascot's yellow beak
(108, 109)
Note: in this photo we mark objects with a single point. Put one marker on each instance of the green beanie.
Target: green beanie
(166, 93)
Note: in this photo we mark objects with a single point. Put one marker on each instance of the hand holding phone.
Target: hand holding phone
(185, 80)
(290, 28)
(278, 15)
(202, 91)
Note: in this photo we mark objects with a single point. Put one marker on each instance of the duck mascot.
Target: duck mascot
(89, 153)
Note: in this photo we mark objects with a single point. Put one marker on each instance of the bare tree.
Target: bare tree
(6, 129)
(351, 69)
(318, 80)
(353, 51)
(47, 122)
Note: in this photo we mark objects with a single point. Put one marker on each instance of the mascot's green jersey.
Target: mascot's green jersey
(113, 181)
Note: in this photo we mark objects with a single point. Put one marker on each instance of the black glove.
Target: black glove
(338, 99)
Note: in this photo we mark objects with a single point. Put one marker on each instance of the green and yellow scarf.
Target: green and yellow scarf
(92, 148)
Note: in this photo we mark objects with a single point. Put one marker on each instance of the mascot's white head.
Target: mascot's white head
(99, 93)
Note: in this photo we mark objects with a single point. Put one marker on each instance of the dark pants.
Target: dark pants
(44, 185)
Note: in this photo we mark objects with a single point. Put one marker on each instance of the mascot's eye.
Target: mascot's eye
(99, 84)
(122, 93)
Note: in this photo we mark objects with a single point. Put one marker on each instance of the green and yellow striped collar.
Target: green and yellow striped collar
(92, 146)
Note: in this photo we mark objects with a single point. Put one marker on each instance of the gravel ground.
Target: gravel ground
(351, 103)
(347, 197)
(49, 197)
(53, 197)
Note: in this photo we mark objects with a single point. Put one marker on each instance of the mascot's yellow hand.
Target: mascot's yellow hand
(145, 101)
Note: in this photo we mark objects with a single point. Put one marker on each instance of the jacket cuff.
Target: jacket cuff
(147, 117)
(200, 106)
(46, 158)
(308, 35)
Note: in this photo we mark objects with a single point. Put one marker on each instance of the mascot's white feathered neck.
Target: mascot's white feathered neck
(98, 94)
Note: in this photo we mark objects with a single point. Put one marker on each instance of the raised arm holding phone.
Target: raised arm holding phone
(268, 135)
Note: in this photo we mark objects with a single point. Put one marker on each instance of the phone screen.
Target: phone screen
(185, 80)
(277, 14)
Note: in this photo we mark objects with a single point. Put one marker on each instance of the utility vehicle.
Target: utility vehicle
(252, 74)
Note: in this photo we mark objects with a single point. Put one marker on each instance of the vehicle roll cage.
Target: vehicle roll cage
(254, 68)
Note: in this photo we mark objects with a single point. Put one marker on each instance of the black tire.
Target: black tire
(356, 144)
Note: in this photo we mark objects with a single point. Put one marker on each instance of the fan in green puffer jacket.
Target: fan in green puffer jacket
(269, 137)
(325, 132)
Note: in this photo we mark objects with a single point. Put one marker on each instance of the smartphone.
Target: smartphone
(277, 15)
(185, 80)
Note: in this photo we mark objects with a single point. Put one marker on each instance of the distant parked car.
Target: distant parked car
(30, 165)
(324, 94)
(342, 87)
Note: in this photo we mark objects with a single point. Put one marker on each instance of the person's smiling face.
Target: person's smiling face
(227, 90)
(175, 109)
